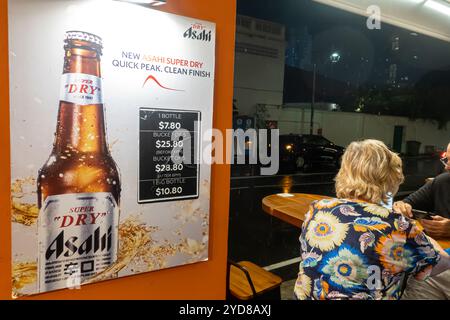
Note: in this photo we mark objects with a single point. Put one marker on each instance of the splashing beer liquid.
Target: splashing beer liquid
(137, 251)
(137, 248)
(78, 187)
(22, 211)
(23, 273)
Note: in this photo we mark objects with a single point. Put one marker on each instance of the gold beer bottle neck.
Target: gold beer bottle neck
(82, 60)
(81, 127)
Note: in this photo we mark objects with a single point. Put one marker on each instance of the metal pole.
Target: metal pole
(313, 100)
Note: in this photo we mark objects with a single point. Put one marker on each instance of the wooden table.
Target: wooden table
(292, 208)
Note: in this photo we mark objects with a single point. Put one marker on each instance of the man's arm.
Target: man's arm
(422, 199)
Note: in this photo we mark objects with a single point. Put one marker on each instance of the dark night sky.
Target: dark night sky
(363, 51)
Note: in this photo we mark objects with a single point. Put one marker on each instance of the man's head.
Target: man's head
(447, 156)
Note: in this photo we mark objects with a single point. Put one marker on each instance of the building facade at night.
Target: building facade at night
(259, 64)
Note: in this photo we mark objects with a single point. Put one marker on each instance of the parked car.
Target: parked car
(302, 151)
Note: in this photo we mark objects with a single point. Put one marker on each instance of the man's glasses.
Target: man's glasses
(444, 161)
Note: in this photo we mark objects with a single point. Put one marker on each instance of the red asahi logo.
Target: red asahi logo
(86, 86)
(197, 31)
(80, 88)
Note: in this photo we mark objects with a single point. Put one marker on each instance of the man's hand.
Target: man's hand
(439, 227)
(403, 208)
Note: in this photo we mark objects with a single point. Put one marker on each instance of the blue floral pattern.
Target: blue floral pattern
(357, 250)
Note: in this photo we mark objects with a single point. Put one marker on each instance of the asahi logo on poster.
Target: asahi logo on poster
(198, 31)
(77, 237)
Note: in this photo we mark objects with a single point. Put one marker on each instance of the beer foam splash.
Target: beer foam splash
(24, 212)
(134, 239)
(111, 145)
(155, 257)
(139, 253)
(23, 273)
(195, 249)
(190, 211)
(193, 211)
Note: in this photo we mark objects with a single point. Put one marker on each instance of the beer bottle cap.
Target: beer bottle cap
(84, 36)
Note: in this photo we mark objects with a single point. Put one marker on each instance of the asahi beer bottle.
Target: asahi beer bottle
(79, 186)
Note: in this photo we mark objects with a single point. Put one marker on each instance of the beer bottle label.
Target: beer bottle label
(81, 88)
(78, 238)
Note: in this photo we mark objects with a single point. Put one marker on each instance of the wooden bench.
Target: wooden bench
(249, 281)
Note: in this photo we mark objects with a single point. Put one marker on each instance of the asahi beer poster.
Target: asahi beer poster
(110, 106)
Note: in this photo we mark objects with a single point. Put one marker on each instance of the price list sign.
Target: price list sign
(168, 154)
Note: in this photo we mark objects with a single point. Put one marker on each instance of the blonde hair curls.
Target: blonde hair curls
(369, 171)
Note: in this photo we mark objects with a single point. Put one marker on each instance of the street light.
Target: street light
(335, 57)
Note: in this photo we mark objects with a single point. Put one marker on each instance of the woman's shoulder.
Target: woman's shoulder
(328, 203)
(355, 208)
(331, 203)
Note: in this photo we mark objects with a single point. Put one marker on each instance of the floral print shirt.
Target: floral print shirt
(359, 250)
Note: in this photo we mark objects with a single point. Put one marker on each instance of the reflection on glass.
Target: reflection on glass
(286, 184)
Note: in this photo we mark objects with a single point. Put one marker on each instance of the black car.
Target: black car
(302, 151)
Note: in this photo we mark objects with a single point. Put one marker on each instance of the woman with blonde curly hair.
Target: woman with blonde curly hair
(354, 246)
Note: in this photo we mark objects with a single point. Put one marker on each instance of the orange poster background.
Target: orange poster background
(205, 280)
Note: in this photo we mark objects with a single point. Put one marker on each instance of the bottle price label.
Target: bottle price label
(169, 191)
(169, 167)
(165, 125)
